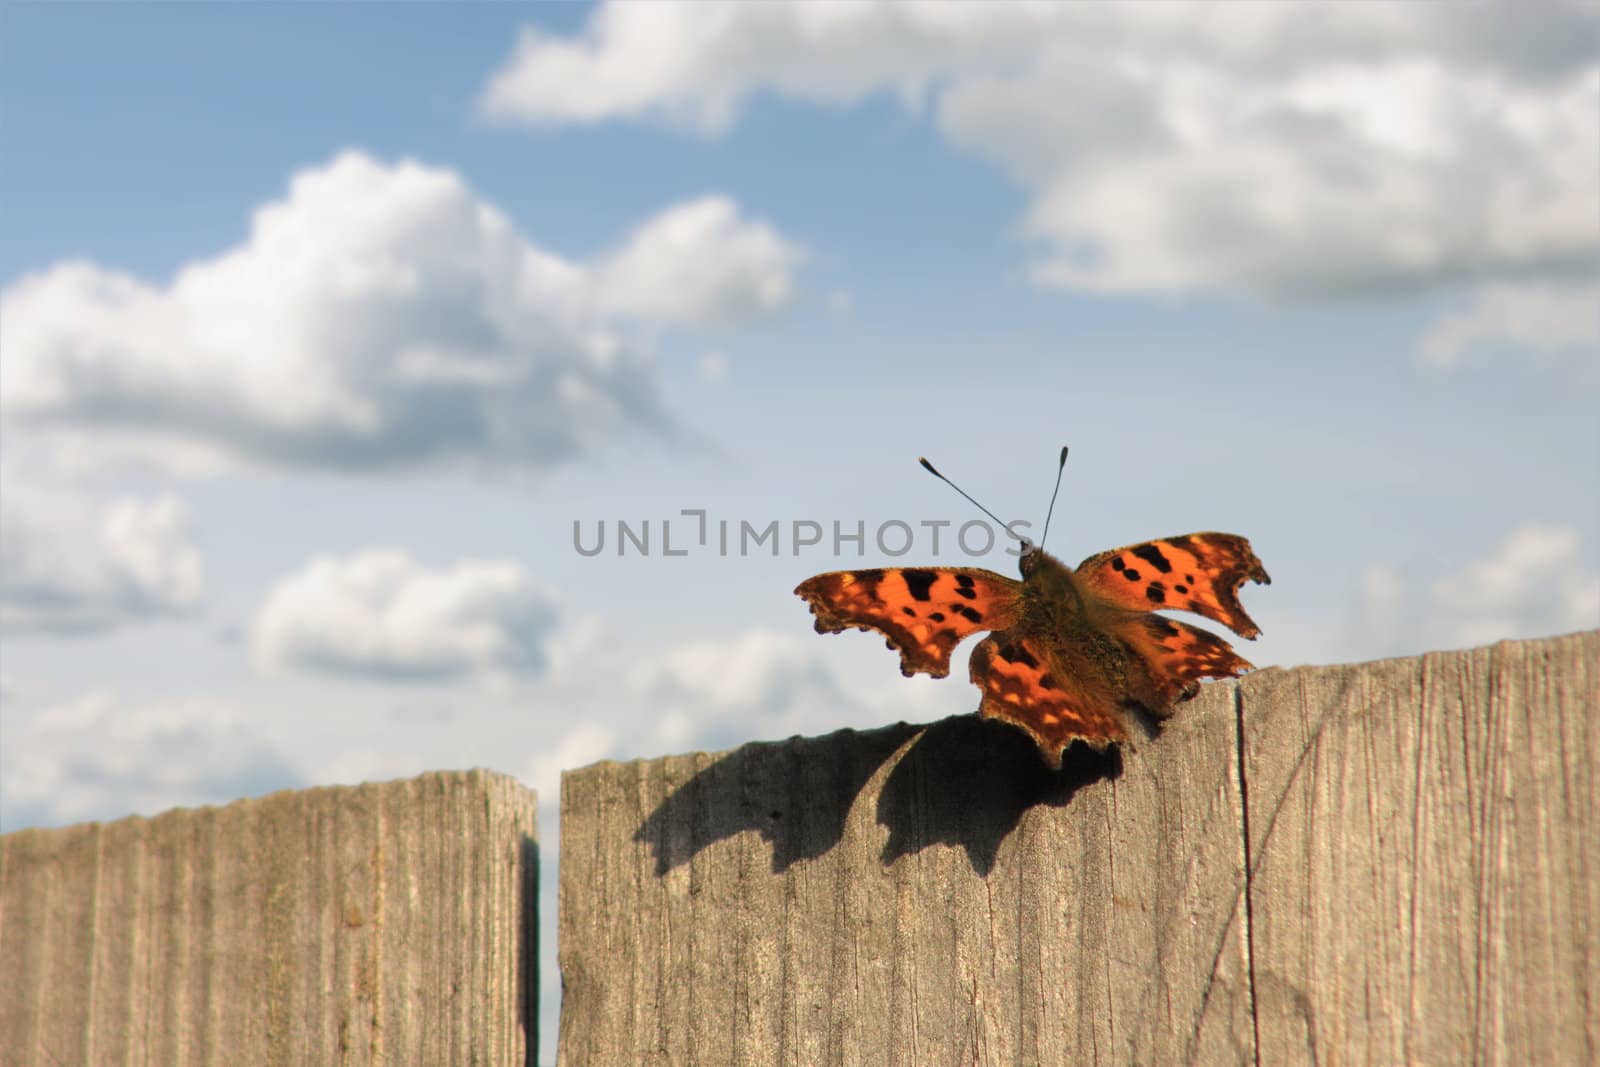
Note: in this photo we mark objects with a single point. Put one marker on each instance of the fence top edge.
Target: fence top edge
(1270, 671)
(487, 780)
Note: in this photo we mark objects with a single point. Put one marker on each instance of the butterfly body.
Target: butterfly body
(1072, 653)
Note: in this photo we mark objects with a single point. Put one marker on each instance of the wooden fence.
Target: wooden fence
(1392, 862)
(388, 923)
(1386, 863)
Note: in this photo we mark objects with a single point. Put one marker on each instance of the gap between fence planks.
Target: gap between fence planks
(1390, 862)
(386, 923)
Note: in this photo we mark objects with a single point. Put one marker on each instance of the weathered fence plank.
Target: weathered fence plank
(1422, 888)
(1426, 883)
(908, 896)
(387, 922)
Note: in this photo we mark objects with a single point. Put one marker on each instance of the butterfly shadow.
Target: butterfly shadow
(797, 794)
(962, 781)
(967, 782)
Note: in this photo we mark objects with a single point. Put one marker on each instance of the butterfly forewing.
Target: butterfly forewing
(923, 611)
(1198, 572)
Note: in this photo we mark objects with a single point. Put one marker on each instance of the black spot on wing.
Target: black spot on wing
(1156, 592)
(1152, 555)
(1131, 574)
(1162, 628)
(937, 616)
(967, 613)
(1017, 654)
(919, 582)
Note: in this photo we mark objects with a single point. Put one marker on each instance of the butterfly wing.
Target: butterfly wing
(1198, 572)
(1173, 657)
(923, 611)
(1026, 686)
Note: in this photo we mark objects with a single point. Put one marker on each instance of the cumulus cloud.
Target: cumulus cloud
(98, 758)
(699, 262)
(717, 693)
(1535, 582)
(382, 615)
(1386, 620)
(1548, 317)
(1271, 150)
(72, 564)
(377, 316)
(580, 746)
(357, 765)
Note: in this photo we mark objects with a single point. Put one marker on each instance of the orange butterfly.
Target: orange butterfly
(1072, 651)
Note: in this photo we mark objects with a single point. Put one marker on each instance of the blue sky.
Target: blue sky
(321, 326)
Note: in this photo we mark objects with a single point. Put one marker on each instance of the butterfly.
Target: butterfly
(1072, 652)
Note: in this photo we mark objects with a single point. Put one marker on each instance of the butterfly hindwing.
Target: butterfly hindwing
(1023, 683)
(923, 611)
(1198, 572)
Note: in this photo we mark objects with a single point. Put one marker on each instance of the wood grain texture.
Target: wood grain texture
(362, 925)
(1419, 837)
(909, 896)
(1426, 883)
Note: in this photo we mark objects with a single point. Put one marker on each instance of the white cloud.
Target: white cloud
(699, 262)
(1534, 582)
(693, 65)
(11, 690)
(1272, 150)
(357, 765)
(1383, 610)
(96, 758)
(380, 614)
(580, 746)
(571, 648)
(1548, 317)
(377, 316)
(71, 564)
(718, 692)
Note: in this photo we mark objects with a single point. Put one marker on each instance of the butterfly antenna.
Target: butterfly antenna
(929, 467)
(1059, 468)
